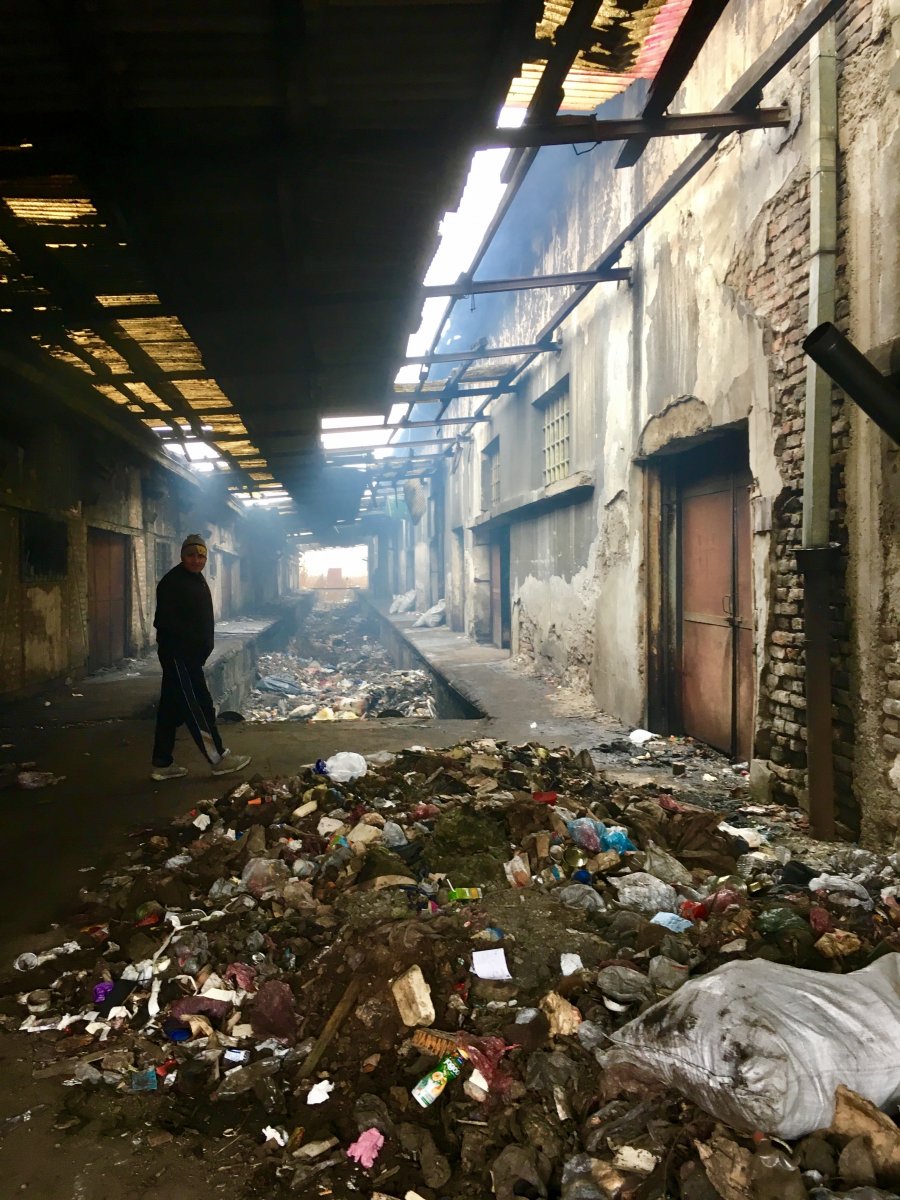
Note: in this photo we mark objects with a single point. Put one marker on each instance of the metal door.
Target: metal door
(716, 614)
(107, 598)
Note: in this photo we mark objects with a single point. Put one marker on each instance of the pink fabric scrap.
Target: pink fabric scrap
(366, 1147)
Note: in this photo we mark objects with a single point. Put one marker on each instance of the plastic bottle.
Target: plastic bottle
(431, 1085)
(773, 1173)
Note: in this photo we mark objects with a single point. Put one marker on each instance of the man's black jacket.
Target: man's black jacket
(184, 615)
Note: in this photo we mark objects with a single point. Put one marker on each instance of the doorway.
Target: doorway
(108, 598)
(704, 668)
(501, 624)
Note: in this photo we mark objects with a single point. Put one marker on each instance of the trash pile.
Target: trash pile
(488, 971)
(346, 676)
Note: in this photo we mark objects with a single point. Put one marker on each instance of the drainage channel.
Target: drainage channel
(346, 661)
(450, 703)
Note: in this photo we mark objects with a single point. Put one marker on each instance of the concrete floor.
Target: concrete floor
(53, 839)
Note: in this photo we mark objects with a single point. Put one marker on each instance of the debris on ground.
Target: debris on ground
(337, 671)
(447, 977)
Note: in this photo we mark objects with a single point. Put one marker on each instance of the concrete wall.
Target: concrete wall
(706, 338)
(53, 464)
(869, 96)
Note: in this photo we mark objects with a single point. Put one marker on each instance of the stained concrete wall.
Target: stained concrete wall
(869, 97)
(61, 467)
(706, 338)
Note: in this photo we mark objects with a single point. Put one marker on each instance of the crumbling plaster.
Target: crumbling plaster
(869, 133)
(630, 356)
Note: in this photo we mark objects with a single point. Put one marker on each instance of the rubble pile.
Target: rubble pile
(419, 975)
(345, 675)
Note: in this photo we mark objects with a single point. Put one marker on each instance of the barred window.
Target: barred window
(556, 435)
(495, 477)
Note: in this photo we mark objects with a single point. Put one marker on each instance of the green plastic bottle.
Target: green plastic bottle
(431, 1085)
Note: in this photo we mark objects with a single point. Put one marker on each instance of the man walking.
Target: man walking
(184, 634)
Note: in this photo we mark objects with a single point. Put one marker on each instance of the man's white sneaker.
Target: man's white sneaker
(169, 772)
(229, 763)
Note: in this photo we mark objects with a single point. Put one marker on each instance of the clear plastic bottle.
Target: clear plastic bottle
(773, 1173)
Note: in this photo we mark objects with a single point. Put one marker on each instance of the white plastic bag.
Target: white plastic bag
(436, 615)
(345, 766)
(645, 893)
(764, 1046)
(404, 602)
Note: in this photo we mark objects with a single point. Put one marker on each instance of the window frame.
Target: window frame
(555, 407)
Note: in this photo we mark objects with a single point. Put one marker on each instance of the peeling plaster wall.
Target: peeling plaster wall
(631, 354)
(869, 132)
(76, 474)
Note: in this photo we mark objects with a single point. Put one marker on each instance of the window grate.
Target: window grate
(495, 479)
(556, 439)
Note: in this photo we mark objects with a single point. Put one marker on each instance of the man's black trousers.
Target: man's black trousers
(184, 699)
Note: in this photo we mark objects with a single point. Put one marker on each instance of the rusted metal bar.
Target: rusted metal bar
(566, 131)
(696, 26)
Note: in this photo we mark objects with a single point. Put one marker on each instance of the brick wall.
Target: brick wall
(776, 290)
(775, 286)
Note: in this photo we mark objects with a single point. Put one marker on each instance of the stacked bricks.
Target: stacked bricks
(777, 291)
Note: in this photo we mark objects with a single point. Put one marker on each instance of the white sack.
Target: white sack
(764, 1046)
(404, 602)
(345, 766)
(436, 615)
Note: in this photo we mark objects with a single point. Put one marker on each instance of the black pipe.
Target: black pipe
(852, 371)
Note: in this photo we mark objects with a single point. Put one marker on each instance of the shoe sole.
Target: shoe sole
(165, 778)
(232, 770)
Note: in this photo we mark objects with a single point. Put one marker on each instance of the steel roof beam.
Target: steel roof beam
(466, 286)
(696, 26)
(565, 131)
(426, 360)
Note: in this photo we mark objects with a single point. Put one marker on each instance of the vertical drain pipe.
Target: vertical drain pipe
(816, 558)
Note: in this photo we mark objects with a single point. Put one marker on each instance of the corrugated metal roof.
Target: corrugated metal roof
(222, 214)
(629, 40)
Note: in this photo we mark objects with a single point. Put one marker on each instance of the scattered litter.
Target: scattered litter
(275, 969)
(490, 964)
(320, 1092)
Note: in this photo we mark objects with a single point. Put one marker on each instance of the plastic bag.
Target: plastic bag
(764, 1046)
(436, 615)
(581, 895)
(345, 766)
(657, 862)
(645, 893)
(265, 875)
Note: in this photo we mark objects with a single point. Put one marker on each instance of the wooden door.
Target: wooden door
(108, 563)
(716, 614)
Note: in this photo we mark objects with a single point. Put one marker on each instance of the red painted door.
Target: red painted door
(716, 614)
(107, 598)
